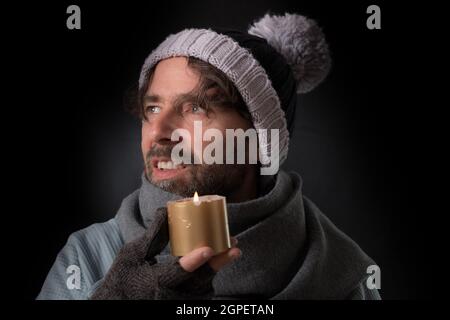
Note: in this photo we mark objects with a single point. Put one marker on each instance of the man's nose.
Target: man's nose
(162, 128)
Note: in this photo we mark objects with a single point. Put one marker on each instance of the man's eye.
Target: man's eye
(195, 108)
(152, 109)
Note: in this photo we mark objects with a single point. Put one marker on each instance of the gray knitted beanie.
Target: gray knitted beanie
(278, 58)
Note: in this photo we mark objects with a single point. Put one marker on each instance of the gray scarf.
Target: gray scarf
(290, 250)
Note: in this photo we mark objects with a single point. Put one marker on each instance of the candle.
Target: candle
(196, 222)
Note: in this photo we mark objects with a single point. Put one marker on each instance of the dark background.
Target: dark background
(355, 145)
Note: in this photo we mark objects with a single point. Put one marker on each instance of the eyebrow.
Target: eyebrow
(178, 97)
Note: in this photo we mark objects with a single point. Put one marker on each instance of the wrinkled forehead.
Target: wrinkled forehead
(171, 77)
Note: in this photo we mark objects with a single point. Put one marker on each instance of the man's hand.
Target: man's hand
(198, 257)
(136, 274)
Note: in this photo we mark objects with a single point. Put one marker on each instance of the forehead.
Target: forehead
(172, 77)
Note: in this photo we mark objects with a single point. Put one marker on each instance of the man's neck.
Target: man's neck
(248, 188)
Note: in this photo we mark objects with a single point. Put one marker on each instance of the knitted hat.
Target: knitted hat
(279, 57)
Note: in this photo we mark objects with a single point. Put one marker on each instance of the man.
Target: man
(283, 246)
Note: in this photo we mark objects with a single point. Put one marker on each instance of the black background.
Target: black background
(356, 145)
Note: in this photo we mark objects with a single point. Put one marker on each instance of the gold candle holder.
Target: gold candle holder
(196, 222)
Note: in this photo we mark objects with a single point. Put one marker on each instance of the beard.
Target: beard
(220, 179)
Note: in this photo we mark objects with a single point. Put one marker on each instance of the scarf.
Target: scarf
(290, 250)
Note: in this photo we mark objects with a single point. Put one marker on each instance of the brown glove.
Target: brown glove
(135, 274)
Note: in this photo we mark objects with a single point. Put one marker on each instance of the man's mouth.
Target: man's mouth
(165, 168)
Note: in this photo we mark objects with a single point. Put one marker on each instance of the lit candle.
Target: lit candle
(196, 222)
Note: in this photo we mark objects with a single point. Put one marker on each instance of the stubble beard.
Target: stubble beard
(220, 179)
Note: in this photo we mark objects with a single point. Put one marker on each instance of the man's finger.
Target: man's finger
(224, 258)
(196, 258)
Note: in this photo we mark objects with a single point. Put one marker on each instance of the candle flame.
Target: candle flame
(196, 199)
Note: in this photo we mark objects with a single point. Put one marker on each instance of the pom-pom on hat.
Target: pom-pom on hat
(278, 58)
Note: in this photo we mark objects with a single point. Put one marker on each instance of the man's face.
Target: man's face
(168, 106)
